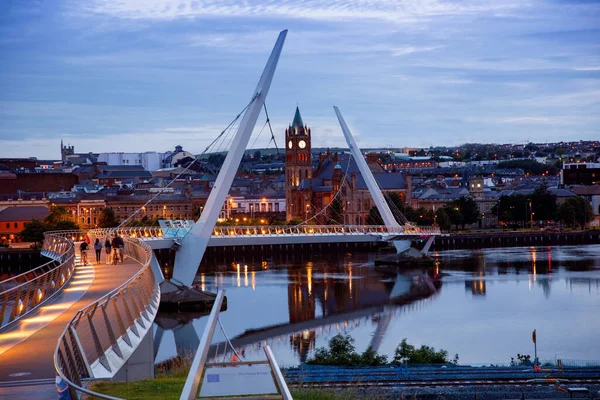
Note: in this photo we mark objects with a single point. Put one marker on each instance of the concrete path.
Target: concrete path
(33, 357)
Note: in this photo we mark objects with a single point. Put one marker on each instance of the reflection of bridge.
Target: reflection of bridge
(374, 300)
(96, 334)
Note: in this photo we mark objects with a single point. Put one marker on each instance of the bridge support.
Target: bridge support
(383, 207)
(140, 365)
(193, 246)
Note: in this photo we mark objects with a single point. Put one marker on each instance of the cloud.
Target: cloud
(389, 10)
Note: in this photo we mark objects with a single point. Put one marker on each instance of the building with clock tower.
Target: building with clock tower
(298, 162)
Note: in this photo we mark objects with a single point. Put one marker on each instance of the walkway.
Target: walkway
(33, 357)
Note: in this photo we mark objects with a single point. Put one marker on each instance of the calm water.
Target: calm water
(480, 304)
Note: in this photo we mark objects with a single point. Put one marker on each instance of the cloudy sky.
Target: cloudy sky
(145, 75)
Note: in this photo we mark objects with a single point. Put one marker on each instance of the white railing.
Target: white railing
(273, 230)
(101, 336)
(24, 293)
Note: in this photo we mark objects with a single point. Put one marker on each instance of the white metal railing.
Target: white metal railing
(101, 336)
(24, 293)
(275, 230)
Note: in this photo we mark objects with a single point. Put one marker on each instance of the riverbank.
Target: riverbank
(482, 239)
(418, 382)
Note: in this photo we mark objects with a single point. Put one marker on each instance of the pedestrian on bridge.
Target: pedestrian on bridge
(98, 248)
(108, 250)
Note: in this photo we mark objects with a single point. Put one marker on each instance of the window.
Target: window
(16, 225)
(8, 224)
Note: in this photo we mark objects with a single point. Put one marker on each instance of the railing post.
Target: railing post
(192, 383)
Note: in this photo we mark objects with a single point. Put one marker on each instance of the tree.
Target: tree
(512, 208)
(469, 210)
(424, 216)
(34, 232)
(65, 226)
(443, 220)
(575, 210)
(455, 216)
(336, 211)
(408, 354)
(107, 219)
(543, 203)
(374, 217)
(56, 215)
(341, 352)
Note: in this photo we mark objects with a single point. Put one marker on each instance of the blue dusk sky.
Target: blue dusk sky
(146, 75)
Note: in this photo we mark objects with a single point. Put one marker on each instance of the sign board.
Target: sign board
(254, 379)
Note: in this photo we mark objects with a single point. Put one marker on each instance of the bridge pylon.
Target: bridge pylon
(193, 245)
(384, 209)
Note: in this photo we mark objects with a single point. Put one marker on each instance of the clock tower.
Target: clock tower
(298, 163)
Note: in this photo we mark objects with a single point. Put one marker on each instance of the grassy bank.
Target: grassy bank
(170, 387)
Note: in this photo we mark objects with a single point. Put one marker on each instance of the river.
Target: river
(480, 304)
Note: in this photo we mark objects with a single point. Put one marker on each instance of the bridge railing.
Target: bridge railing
(322, 230)
(24, 293)
(101, 336)
(155, 231)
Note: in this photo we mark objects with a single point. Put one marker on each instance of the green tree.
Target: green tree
(512, 208)
(65, 226)
(57, 214)
(336, 211)
(576, 210)
(374, 217)
(107, 218)
(408, 354)
(456, 218)
(424, 216)
(543, 203)
(341, 352)
(34, 232)
(443, 220)
(469, 210)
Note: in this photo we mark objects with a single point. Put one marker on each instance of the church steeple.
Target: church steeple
(297, 122)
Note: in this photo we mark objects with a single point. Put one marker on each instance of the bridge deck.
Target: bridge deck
(33, 357)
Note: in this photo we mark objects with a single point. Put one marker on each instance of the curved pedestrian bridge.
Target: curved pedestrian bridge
(80, 321)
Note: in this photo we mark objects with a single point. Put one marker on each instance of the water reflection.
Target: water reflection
(329, 294)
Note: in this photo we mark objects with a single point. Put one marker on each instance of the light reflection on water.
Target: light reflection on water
(481, 304)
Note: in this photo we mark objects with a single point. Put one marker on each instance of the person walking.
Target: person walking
(98, 248)
(83, 247)
(108, 250)
(117, 244)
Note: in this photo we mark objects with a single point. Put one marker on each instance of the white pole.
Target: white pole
(380, 203)
(193, 246)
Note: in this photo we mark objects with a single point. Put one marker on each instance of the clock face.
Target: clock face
(290, 144)
(302, 144)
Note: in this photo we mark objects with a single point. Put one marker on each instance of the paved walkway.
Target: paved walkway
(33, 357)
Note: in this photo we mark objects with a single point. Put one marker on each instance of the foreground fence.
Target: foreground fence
(24, 293)
(100, 337)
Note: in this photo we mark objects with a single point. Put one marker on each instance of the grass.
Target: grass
(170, 379)
(170, 387)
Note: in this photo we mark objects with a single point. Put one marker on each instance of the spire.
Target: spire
(297, 123)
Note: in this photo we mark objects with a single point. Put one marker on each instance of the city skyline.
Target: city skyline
(138, 76)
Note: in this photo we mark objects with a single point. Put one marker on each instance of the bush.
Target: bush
(341, 352)
(409, 354)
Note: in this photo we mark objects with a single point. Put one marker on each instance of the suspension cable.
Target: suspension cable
(186, 168)
(342, 182)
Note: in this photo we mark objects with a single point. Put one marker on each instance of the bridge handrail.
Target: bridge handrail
(243, 230)
(26, 292)
(112, 326)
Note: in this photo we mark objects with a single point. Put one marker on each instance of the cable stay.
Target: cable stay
(224, 132)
